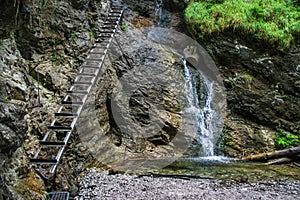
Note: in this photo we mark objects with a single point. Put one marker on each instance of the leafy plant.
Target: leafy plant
(124, 26)
(5, 97)
(54, 41)
(73, 36)
(278, 94)
(92, 34)
(43, 95)
(229, 80)
(248, 78)
(45, 2)
(286, 139)
(56, 58)
(276, 22)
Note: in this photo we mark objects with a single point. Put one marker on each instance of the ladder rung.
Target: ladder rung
(100, 53)
(109, 23)
(105, 35)
(116, 10)
(52, 143)
(108, 27)
(62, 114)
(43, 161)
(106, 32)
(114, 14)
(72, 102)
(82, 83)
(93, 59)
(77, 92)
(112, 19)
(90, 66)
(86, 74)
(102, 41)
(60, 128)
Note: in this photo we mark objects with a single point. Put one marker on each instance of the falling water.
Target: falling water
(158, 8)
(203, 112)
(163, 17)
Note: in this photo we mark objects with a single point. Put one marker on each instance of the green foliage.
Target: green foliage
(73, 36)
(43, 95)
(274, 21)
(5, 98)
(286, 139)
(92, 34)
(229, 80)
(247, 77)
(124, 26)
(56, 58)
(54, 41)
(280, 95)
(45, 2)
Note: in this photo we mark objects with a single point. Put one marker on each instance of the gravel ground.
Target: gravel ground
(97, 184)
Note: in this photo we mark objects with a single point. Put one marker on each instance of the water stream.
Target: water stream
(203, 113)
(163, 17)
(202, 95)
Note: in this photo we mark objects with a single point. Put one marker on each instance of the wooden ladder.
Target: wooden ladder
(56, 138)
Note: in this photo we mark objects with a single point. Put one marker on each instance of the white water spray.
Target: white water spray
(158, 8)
(203, 114)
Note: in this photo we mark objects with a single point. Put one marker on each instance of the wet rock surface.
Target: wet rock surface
(96, 184)
(261, 88)
(263, 92)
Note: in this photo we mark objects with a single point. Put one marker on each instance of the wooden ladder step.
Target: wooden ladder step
(112, 19)
(77, 92)
(93, 59)
(43, 161)
(105, 35)
(81, 83)
(110, 23)
(86, 74)
(90, 66)
(116, 11)
(99, 41)
(102, 41)
(72, 102)
(62, 128)
(97, 53)
(112, 26)
(52, 143)
(107, 31)
(63, 114)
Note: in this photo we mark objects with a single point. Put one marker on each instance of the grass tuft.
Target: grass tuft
(277, 22)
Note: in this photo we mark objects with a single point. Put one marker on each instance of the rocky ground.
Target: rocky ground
(97, 184)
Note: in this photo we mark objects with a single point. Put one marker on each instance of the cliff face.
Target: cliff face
(262, 86)
(42, 47)
(262, 91)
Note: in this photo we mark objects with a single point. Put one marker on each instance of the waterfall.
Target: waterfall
(163, 17)
(202, 112)
(158, 8)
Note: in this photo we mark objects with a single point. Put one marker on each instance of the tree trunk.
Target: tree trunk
(276, 154)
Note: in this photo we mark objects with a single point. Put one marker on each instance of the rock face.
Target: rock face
(53, 37)
(139, 106)
(263, 91)
(17, 181)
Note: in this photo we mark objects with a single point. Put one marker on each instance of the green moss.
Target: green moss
(286, 139)
(274, 21)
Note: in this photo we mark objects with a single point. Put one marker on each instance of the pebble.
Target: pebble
(97, 184)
